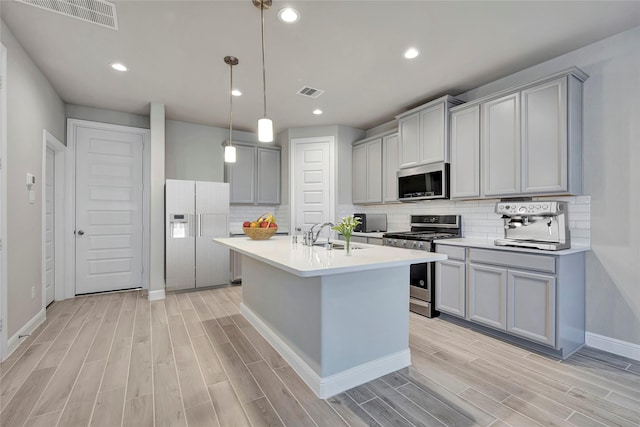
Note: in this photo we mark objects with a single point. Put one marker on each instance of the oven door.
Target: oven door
(420, 281)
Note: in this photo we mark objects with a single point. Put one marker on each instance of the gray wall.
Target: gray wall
(611, 155)
(106, 116)
(33, 105)
(344, 137)
(195, 151)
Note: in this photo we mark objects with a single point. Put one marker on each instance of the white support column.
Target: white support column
(156, 243)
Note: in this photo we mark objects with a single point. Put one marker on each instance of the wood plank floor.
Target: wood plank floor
(192, 359)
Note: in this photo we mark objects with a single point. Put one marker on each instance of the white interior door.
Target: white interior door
(50, 220)
(312, 168)
(109, 210)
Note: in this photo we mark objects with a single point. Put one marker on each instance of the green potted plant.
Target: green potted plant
(346, 227)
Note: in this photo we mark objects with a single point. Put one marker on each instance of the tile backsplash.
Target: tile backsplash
(478, 217)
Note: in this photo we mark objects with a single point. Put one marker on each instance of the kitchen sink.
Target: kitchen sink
(337, 246)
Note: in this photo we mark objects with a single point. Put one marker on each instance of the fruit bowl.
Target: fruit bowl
(260, 233)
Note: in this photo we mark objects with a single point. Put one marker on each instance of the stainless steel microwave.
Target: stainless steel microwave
(424, 182)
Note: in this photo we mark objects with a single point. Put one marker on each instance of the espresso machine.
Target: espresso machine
(534, 224)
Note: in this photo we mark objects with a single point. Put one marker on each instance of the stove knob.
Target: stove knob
(421, 245)
(403, 243)
(415, 244)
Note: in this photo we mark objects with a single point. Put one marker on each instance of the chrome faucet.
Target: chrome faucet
(310, 238)
(329, 224)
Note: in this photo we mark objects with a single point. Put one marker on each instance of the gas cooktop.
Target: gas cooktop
(419, 235)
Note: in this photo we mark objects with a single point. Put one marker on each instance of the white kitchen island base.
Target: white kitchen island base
(338, 320)
(336, 331)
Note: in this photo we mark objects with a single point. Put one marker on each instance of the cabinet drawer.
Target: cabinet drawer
(453, 252)
(514, 259)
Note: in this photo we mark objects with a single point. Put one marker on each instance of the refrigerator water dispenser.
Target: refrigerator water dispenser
(179, 225)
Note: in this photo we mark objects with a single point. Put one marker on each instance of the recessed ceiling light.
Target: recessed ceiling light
(317, 111)
(118, 66)
(411, 53)
(288, 15)
(236, 92)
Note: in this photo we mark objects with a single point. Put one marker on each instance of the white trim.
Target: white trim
(325, 387)
(50, 141)
(4, 346)
(27, 329)
(155, 295)
(70, 205)
(612, 345)
(332, 175)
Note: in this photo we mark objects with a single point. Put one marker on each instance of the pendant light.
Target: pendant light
(265, 125)
(229, 149)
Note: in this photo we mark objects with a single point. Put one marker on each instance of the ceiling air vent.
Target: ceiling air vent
(310, 92)
(98, 12)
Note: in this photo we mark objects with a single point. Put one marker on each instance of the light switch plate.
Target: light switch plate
(32, 197)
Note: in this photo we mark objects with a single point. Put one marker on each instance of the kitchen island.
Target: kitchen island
(339, 320)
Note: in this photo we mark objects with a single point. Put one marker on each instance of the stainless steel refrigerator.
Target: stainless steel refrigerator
(196, 212)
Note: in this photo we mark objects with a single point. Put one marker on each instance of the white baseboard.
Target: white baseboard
(154, 295)
(612, 345)
(325, 387)
(27, 329)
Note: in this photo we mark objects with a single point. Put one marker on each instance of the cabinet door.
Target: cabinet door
(451, 287)
(391, 164)
(241, 175)
(488, 296)
(531, 306)
(432, 123)
(374, 171)
(409, 133)
(359, 174)
(465, 153)
(544, 138)
(501, 145)
(268, 184)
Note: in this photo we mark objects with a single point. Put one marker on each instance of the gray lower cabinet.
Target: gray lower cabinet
(451, 287)
(536, 297)
(255, 176)
(531, 306)
(488, 295)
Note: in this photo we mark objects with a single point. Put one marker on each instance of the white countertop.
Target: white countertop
(305, 261)
(489, 244)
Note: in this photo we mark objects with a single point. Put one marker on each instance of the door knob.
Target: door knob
(80, 232)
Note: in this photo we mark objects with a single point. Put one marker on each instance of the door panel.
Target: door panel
(312, 183)
(108, 210)
(531, 308)
(488, 296)
(50, 221)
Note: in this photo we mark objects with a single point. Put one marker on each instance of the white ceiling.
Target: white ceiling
(350, 49)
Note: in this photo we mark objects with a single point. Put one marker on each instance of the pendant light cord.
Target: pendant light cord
(264, 74)
(230, 104)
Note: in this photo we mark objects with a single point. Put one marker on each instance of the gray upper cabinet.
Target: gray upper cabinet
(465, 153)
(390, 166)
(241, 175)
(268, 184)
(544, 138)
(424, 133)
(255, 176)
(530, 140)
(367, 171)
(501, 142)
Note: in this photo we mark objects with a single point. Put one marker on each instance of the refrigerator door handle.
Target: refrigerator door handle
(192, 224)
(199, 225)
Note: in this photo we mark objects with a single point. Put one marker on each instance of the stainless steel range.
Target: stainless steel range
(425, 229)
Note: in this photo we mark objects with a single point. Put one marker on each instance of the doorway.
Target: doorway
(3, 201)
(53, 189)
(108, 208)
(312, 181)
